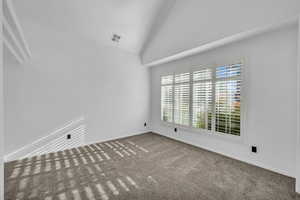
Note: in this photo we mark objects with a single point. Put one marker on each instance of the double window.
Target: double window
(208, 99)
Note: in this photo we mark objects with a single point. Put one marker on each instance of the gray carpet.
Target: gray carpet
(142, 167)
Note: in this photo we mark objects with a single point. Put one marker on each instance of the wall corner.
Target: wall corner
(1, 114)
(298, 116)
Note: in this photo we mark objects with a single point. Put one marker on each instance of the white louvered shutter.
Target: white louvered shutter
(202, 99)
(228, 99)
(182, 99)
(167, 98)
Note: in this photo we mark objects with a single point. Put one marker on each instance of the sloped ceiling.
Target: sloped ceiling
(97, 20)
(195, 23)
(155, 29)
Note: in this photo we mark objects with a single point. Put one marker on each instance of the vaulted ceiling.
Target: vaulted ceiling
(155, 29)
(96, 20)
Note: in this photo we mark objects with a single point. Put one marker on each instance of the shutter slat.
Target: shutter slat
(165, 80)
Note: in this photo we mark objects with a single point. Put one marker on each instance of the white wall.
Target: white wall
(269, 98)
(193, 23)
(69, 77)
(1, 114)
(298, 141)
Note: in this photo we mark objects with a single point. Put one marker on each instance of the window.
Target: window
(208, 99)
(228, 99)
(202, 99)
(167, 98)
(182, 99)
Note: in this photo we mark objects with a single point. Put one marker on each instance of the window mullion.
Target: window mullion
(213, 118)
(191, 100)
(173, 98)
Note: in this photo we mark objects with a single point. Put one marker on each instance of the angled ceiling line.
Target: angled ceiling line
(157, 23)
(13, 14)
(11, 33)
(12, 49)
(222, 42)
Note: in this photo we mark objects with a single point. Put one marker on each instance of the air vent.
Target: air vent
(116, 38)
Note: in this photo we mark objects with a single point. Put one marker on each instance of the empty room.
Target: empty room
(150, 100)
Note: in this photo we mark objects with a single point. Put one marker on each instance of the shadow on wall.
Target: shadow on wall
(69, 135)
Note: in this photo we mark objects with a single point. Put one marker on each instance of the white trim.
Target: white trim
(12, 50)
(298, 116)
(123, 136)
(173, 98)
(191, 103)
(255, 163)
(213, 99)
(13, 14)
(9, 30)
(221, 42)
(204, 132)
(37, 144)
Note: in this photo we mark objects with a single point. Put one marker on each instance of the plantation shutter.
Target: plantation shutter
(208, 99)
(182, 99)
(202, 99)
(228, 99)
(167, 98)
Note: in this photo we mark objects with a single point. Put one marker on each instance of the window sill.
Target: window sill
(206, 133)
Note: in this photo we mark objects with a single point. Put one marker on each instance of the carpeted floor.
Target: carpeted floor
(142, 167)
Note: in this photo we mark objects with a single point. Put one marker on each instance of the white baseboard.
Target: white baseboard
(118, 137)
(258, 164)
(53, 142)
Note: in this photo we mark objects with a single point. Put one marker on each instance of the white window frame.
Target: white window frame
(211, 133)
(160, 86)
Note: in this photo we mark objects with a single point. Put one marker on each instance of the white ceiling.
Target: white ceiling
(97, 20)
(194, 23)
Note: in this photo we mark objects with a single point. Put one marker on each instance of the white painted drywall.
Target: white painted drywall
(193, 23)
(298, 139)
(1, 126)
(1, 114)
(69, 77)
(269, 100)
